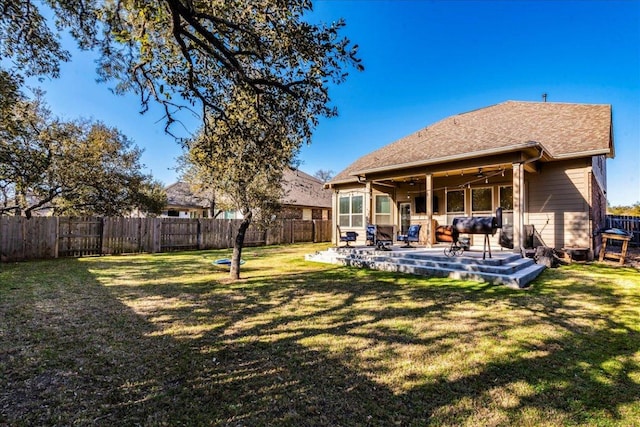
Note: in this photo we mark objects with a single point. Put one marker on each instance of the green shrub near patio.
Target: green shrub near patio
(167, 339)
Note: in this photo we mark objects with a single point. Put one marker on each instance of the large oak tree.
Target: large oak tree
(70, 167)
(256, 73)
(189, 54)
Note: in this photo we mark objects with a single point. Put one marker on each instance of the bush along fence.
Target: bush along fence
(53, 237)
(630, 224)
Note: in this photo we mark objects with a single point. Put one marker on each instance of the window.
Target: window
(481, 199)
(506, 202)
(455, 201)
(383, 210)
(351, 211)
(421, 204)
(506, 198)
(173, 213)
(345, 212)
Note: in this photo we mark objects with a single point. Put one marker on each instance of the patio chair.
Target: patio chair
(348, 236)
(413, 235)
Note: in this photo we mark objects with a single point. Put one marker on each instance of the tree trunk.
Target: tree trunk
(237, 246)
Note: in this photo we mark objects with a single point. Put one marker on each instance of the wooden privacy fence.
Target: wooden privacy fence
(53, 237)
(628, 223)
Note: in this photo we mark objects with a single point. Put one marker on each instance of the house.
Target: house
(304, 198)
(184, 203)
(543, 163)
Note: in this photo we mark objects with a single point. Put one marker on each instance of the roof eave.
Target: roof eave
(598, 152)
(531, 144)
(331, 184)
(455, 157)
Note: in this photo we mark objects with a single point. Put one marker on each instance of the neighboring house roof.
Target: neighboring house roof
(302, 189)
(180, 194)
(562, 130)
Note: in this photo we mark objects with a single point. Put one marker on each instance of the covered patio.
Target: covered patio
(542, 163)
(463, 188)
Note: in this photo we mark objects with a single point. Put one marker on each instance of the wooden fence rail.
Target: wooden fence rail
(630, 224)
(53, 237)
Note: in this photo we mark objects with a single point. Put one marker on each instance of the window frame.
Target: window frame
(346, 219)
(482, 211)
(377, 214)
(500, 187)
(464, 207)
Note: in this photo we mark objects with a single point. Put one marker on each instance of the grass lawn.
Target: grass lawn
(167, 339)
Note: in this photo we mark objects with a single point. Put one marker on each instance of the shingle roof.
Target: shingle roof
(180, 194)
(564, 130)
(302, 189)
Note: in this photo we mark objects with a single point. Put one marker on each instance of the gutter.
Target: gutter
(454, 157)
(583, 153)
(331, 184)
(360, 174)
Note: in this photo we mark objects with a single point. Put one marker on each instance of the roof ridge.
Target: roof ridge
(552, 103)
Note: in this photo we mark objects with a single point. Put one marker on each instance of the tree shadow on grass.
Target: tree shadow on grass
(308, 349)
(580, 373)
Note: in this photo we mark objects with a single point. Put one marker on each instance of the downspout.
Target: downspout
(535, 159)
(526, 162)
(335, 215)
(519, 221)
(592, 238)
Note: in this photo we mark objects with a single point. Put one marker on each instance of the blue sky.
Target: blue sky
(424, 61)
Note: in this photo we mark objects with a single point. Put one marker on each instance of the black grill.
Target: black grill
(475, 225)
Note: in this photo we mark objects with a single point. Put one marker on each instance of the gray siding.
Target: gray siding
(599, 168)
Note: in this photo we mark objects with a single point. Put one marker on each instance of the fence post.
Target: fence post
(101, 236)
(140, 228)
(56, 236)
(156, 230)
(313, 231)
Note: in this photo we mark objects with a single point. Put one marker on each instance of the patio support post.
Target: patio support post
(429, 194)
(518, 207)
(368, 203)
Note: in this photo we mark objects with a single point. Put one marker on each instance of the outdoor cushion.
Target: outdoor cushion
(349, 236)
(446, 233)
(413, 234)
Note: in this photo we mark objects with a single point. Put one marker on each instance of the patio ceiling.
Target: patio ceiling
(419, 179)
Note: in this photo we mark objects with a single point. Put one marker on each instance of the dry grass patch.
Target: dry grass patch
(166, 339)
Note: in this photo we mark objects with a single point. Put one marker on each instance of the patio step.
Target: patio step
(509, 266)
(507, 269)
